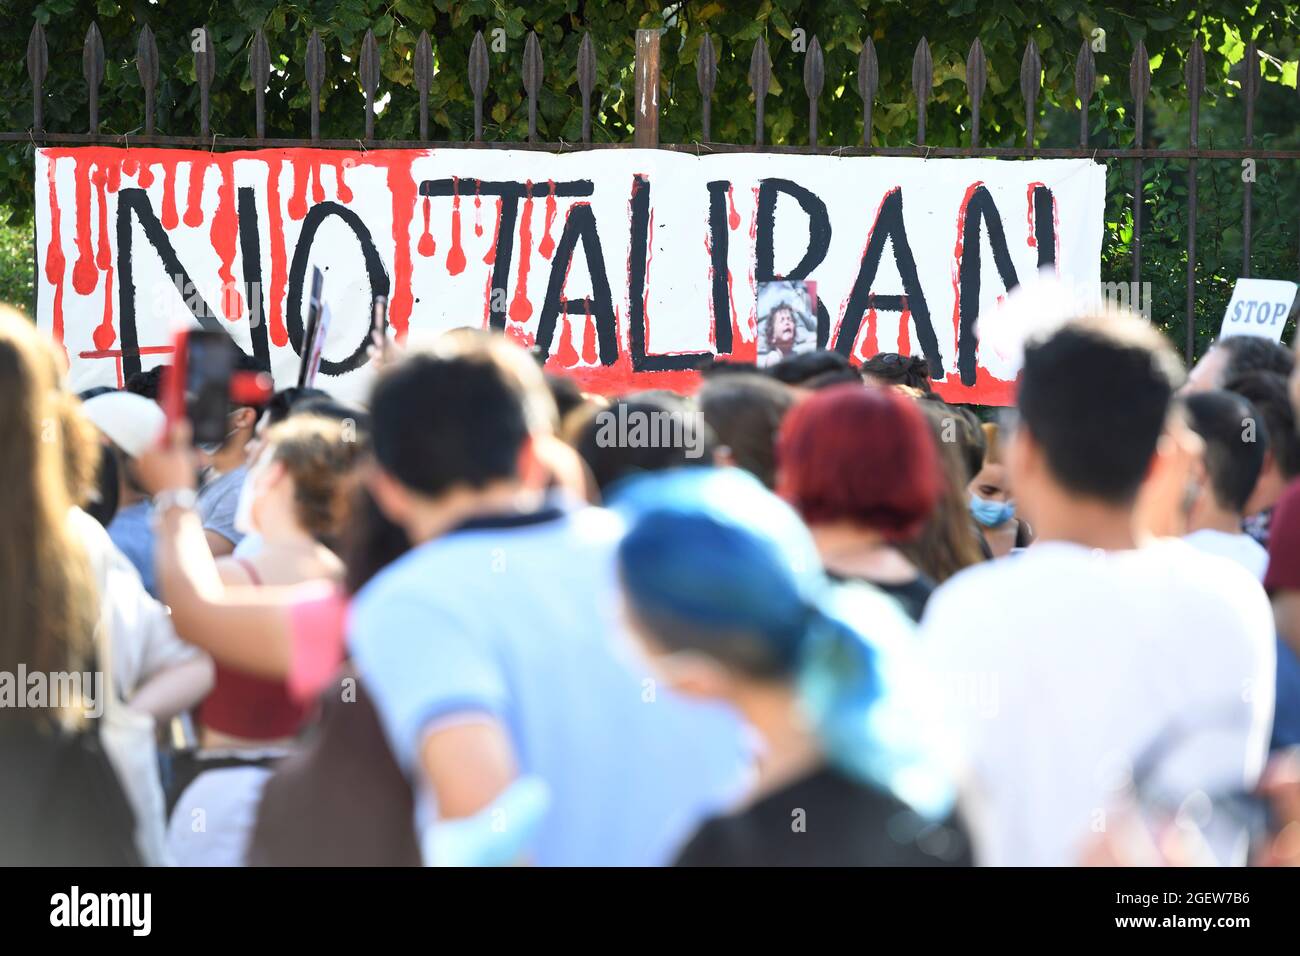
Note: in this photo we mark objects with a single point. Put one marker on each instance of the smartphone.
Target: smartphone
(312, 330)
(201, 384)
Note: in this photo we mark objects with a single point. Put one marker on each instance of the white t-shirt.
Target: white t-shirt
(1068, 667)
(1240, 547)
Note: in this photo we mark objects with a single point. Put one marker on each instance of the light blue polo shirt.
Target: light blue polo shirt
(519, 618)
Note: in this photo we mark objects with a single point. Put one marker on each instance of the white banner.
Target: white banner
(628, 268)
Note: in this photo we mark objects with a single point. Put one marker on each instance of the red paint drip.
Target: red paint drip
(868, 344)
(456, 254)
(341, 187)
(55, 264)
(1032, 239)
(904, 333)
(547, 247)
(491, 256)
(279, 271)
(589, 355)
(733, 217)
(317, 185)
(114, 176)
(520, 308)
(84, 274)
(478, 209)
(298, 198)
(104, 253)
(169, 218)
(224, 234)
(194, 193)
(145, 179)
(403, 189)
(130, 166)
(566, 354)
(104, 336)
(426, 245)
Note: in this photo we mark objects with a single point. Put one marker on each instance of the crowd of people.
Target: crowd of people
(829, 620)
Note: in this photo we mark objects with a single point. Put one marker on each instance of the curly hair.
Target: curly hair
(320, 455)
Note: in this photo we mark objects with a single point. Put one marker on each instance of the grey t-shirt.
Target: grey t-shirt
(218, 500)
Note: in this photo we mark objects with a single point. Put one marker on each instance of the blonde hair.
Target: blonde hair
(48, 604)
(992, 444)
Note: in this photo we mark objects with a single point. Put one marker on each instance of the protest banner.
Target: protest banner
(625, 268)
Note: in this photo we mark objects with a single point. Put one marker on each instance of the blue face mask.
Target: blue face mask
(991, 513)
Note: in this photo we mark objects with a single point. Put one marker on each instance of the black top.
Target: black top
(827, 819)
(912, 595)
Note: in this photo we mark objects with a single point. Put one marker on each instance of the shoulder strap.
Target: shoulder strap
(250, 570)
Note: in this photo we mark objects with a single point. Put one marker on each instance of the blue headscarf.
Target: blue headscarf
(714, 549)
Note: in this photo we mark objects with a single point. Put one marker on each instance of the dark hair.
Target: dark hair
(146, 384)
(828, 439)
(456, 415)
(610, 461)
(891, 368)
(1267, 392)
(745, 412)
(836, 376)
(105, 497)
(1095, 396)
(798, 368)
(370, 541)
(720, 366)
(281, 404)
(1250, 353)
(564, 392)
(1234, 444)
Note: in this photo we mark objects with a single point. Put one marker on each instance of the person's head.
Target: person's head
(146, 384)
(281, 404)
(991, 502)
(745, 413)
(859, 456)
(782, 326)
(1235, 356)
(47, 599)
(241, 423)
(1093, 402)
(1269, 393)
(128, 424)
(725, 592)
(948, 541)
(798, 367)
(890, 368)
(453, 424)
(565, 393)
(302, 480)
(1235, 439)
(641, 433)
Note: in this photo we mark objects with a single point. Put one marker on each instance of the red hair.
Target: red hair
(859, 454)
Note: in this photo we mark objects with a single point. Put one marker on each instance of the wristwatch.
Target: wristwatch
(171, 498)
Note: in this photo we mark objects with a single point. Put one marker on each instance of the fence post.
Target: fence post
(646, 132)
(1195, 76)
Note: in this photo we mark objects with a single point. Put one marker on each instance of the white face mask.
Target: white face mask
(244, 521)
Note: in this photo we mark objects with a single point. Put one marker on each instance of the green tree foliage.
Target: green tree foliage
(1058, 27)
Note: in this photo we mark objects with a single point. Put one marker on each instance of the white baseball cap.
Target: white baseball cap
(131, 422)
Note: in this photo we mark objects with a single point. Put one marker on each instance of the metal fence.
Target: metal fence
(646, 121)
